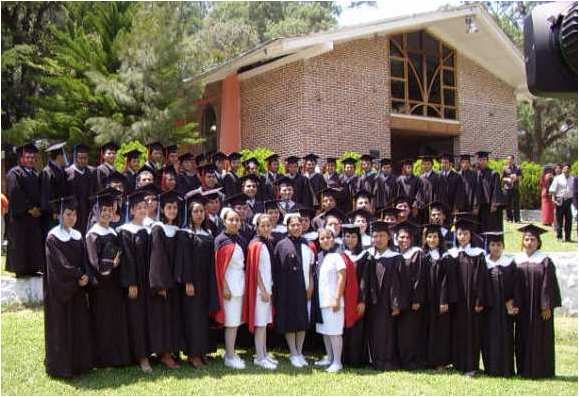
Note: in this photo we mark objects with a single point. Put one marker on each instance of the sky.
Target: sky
(387, 9)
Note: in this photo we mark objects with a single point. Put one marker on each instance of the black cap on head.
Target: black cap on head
(207, 169)
(426, 157)
(195, 196)
(330, 192)
(335, 212)
(367, 157)
(531, 228)
(272, 157)
(155, 146)
(116, 177)
(138, 196)
(407, 162)
(359, 212)
(389, 211)
(55, 147)
(170, 197)
(482, 154)
(109, 146)
(186, 157)
(292, 159)
(133, 154)
(219, 156)
(106, 197)
(284, 180)
(432, 228)
(380, 226)
(271, 205)
(385, 161)
(237, 199)
(350, 229)
(448, 156)
(171, 149)
(151, 190)
(363, 193)
(81, 148)
(349, 160)
(200, 158)
(305, 211)
(27, 148)
(331, 160)
(465, 156)
(251, 177)
(408, 226)
(234, 156)
(64, 203)
(465, 224)
(494, 237)
(311, 157)
(212, 194)
(251, 160)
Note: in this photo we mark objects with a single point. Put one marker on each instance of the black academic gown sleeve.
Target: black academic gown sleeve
(161, 270)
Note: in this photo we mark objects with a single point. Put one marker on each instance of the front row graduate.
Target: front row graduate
(230, 249)
(386, 299)
(293, 288)
(535, 333)
(68, 339)
(196, 284)
(497, 335)
(106, 297)
(258, 289)
(471, 283)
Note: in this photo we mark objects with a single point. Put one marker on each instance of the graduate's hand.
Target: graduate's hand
(493, 208)
(163, 293)
(478, 308)
(133, 291)
(361, 308)
(265, 297)
(336, 305)
(117, 260)
(309, 293)
(443, 309)
(414, 211)
(475, 211)
(514, 311)
(415, 306)
(395, 312)
(83, 280)
(35, 212)
(226, 294)
(546, 314)
(189, 289)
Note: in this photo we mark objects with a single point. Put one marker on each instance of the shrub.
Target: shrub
(120, 162)
(260, 154)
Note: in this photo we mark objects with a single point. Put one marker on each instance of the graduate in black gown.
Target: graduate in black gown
(535, 331)
(452, 189)
(132, 167)
(385, 301)
(412, 321)
(441, 294)
(303, 192)
(53, 182)
(470, 188)
(81, 184)
(134, 277)
(431, 187)
(187, 179)
(498, 333)
(25, 256)
(279, 231)
(491, 198)
(355, 351)
(231, 182)
(108, 155)
(271, 176)
(293, 288)
(106, 296)
(317, 181)
(67, 326)
(385, 187)
(164, 310)
(349, 182)
(471, 283)
(409, 185)
(196, 284)
(155, 162)
(366, 180)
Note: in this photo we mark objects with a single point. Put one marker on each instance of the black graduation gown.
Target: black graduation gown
(102, 172)
(67, 326)
(350, 184)
(247, 231)
(470, 190)
(269, 184)
(452, 191)
(355, 351)
(497, 336)
(490, 193)
(385, 296)
(134, 270)
(195, 264)
(430, 191)
(82, 185)
(441, 291)
(164, 312)
(157, 172)
(471, 283)
(535, 337)
(366, 182)
(216, 227)
(53, 186)
(255, 207)
(385, 190)
(411, 186)
(131, 178)
(186, 182)
(303, 192)
(107, 300)
(289, 286)
(317, 182)
(25, 255)
(412, 323)
(231, 184)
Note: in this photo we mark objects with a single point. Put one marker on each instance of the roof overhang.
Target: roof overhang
(489, 46)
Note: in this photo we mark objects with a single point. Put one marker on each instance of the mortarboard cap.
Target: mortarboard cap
(465, 156)
(409, 226)
(109, 146)
(311, 157)
(106, 197)
(349, 160)
(292, 159)
(380, 226)
(219, 156)
(448, 156)
(155, 146)
(116, 177)
(133, 154)
(367, 157)
(272, 157)
(237, 199)
(234, 156)
(331, 160)
(482, 154)
(171, 196)
(531, 228)
(426, 157)
(431, 228)
(211, 194)
(363, 193)
(407, 162)
(385, 161)
(271, 205)
(330, 191)
(493, 236)
(55, 147)
(350, 228)
(81, 148)
(284, 180)
(359, 212)
(251, 177)
(186, 157)
(64, 203)
(465, 224)
(389, 211)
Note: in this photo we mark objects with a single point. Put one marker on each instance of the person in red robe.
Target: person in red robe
(258, 286)
(547, 206)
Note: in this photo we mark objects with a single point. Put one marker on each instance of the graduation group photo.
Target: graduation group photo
(287, 198)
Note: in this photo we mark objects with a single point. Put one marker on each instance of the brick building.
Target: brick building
(446, 80)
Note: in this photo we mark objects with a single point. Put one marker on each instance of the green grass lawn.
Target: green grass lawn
(550, 243)
(23, 373)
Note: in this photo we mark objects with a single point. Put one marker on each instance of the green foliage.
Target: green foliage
(260, 154)
(529, 186)
(417, 167)
(574, 168)
(345, 155)
(128, 147)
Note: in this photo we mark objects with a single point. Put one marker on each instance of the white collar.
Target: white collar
(386, 254)
(444, 231)
(148, 221)
(504, 260)
(132, 228)
(435, 254)
(169, 230)
(310, 236)
(355, 258)
(470, 251)
(280, 228)
(411, 251)
(101, 231)
(537, 257)
(110, 167)
(74, 167)
(64, 235)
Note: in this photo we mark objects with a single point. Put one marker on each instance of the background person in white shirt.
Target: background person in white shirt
(562, 192)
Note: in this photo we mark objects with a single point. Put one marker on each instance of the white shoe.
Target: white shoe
(296, 362)
(325, 361)
(303, 360)
(265, 363)
(234, 362)
(334, 368)
(269, 357)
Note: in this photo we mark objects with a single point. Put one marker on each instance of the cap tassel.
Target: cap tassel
(184, 222)
(127, 212)
(159, 207)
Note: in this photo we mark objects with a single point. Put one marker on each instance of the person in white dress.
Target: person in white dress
(259, 278)
(331, 284)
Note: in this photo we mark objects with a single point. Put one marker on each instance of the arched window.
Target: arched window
(209, 129)
(422, 73)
